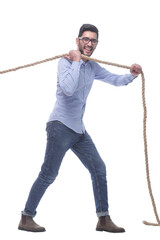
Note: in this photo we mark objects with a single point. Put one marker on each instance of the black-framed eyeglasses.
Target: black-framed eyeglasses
(86, 40)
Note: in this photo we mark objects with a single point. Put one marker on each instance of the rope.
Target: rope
(32, 64)
(146, 155)
(144, 119)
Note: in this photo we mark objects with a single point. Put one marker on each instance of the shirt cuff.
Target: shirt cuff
(76, 64)
(131, 77)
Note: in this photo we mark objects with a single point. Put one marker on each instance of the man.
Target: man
(65, 129)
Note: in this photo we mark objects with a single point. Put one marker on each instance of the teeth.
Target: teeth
(88, 49)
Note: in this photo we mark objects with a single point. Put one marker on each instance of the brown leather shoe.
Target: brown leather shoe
(27, 224)
(106, 224)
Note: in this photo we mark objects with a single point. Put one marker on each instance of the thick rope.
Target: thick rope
(144, 119)
(32, 64)
(146, 155)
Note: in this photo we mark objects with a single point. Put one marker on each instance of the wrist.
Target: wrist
(76, 59)
(134, 75)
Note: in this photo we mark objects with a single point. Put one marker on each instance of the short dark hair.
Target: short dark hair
(88, 27)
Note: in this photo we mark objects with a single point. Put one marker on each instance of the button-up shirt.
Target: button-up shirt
(74, 83)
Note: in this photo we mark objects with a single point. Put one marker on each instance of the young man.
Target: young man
(65, 129)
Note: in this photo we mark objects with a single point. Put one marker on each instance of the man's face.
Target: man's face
(85, 46)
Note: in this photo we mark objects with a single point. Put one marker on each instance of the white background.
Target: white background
(33, 30)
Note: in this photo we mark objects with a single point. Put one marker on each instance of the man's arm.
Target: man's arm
(115, 79)
(68, 72)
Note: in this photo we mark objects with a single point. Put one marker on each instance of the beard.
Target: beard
(86, 50)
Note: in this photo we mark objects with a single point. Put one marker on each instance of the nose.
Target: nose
(90, 43)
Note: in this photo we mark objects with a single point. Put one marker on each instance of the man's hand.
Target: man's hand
(74, 55)
(135, 69)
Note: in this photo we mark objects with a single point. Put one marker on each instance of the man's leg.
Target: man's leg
(89, 156)
(59, 140)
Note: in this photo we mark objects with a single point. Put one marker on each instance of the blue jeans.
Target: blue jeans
(59, 140)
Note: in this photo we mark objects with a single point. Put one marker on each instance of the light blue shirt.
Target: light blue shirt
(74, 83)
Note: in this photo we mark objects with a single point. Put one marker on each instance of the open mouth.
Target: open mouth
(88, 50)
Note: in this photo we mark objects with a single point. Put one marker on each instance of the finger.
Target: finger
(67, 57)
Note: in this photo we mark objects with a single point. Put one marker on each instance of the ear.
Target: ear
(77, 42)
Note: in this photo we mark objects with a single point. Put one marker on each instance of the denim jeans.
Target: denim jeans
(59, 140)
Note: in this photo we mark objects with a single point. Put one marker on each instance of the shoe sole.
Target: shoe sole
(103, 230)
(31, 230)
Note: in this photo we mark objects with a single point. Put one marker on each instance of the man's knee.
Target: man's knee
(46, 179)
